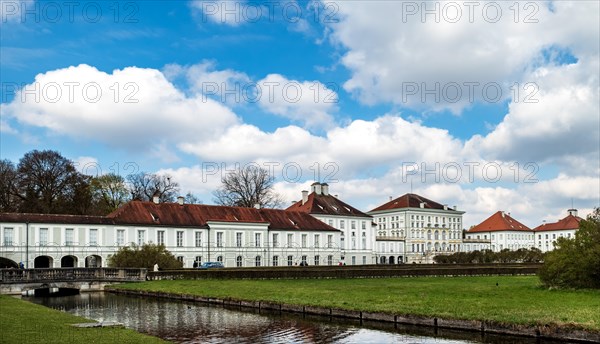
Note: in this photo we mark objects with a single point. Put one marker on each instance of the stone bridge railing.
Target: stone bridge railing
(13, 276)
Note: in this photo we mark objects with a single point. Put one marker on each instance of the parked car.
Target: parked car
(211, 265)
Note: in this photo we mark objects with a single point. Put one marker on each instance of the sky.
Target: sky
(486, 105)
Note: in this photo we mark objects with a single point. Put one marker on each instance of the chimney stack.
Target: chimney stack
(155, 199)
(316, 188)
(325, 189)
(503, 214)
(445, 207)
(391, 198)
(256, 205)
(180, 200)
(304, 196)
(572, 212)
(454, 207)
(422, 205)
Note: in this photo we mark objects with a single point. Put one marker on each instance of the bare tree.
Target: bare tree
(47, 182)
(143, 187)
(9, 202)
(190, 198)
(247, 187)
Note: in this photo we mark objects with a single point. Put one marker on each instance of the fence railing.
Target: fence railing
(70, 274)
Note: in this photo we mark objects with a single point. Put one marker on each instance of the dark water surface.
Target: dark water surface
(186, 322)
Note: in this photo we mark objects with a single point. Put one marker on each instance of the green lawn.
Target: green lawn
(518, 299)
(25, 322)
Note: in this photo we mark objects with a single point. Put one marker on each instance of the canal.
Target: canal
(185, 322)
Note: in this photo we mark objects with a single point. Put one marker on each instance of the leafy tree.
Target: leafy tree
(47, 182)
(247, 187)
(144, 256)
(9, 202)
(109, 192)
(144, 186)
(575, 262)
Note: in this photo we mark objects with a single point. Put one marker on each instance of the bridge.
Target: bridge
(18, 281)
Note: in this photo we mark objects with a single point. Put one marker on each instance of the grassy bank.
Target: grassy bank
(515, 300)
(25, 322)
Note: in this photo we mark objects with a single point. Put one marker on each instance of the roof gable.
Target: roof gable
(326, 205)
(411, 200)
(499, 221)
(568, 222)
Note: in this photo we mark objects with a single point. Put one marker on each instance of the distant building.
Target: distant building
(412, 228)
(547, 233)
(193, 233)
(357, 235)
(497, 232)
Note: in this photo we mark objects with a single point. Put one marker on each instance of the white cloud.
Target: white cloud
(389, 49)
(132, 108)
(226, 12)
(6, 128)
(88, 165)
(309, 102)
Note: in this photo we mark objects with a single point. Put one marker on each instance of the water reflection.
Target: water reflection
(185, 322)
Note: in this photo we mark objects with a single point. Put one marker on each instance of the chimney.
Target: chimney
(503, 214)
(316, 188)
(572, 212)
(304, 196)
(325, 189)
(454, 207)
(180, 200)
(256, 205)
(336, 196)
(445, 207)
(391, 198)
(422, 205)
(155, 199)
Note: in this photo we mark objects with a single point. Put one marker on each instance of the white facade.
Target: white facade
(498, 240)
(356, 238)
(411, 234)
(56, 244)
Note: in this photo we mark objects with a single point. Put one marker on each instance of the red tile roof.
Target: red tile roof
(186, 215)
(326, 205)
(569, 222)
(410, 200)
(198, 215)
(500, 221)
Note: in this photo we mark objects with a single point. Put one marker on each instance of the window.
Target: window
(180, 258)
(353, 224)
(93, 237)
(304, 260)
(342, 224)
(219, 239)
(238, 261)
(317, 260)
(342, 242)
(198, 260)
(329, 241)
(290, 260)
(238, 239)
(290, 239)
(331, 223)
(198, 239)
(317, 237)
(142, 238)
(68, 237)
(43, 236)
(8, 236)
(121, 237)
(304, 240)
(275, 240)
(257, 261)
(160, 237)
(364, 260)
(353, 260)
(275, 260)
(364, 241)
(330, 260)
(179, 238)
(364, 225)
(257, 240)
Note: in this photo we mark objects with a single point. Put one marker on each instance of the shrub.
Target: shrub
(575, 263)
(145, 256)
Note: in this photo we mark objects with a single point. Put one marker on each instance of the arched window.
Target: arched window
(443, 235)
(257, 261)
(429, 235)
(436, 235)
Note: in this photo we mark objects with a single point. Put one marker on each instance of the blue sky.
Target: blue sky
(367, 89)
